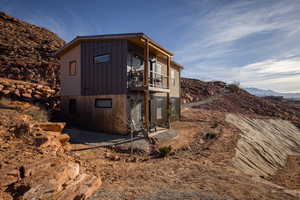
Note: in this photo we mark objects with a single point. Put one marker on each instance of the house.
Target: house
(119, 83)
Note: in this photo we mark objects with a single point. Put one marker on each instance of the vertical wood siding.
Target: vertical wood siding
(108, 77)
(87, 116)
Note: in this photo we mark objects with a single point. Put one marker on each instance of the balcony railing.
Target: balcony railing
(135, 79)
(158, 80)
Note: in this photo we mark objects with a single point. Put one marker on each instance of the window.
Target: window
(103, 103)
(159, 109)
(102, 58)
(72, 106)
(173, 77)
(72, 68)
(158, 68)
(134, 61)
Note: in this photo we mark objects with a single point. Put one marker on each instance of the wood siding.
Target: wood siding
(70, 85)
(110, 120)
(175, 89)
(105, 78)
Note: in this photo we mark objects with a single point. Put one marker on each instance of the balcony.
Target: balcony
(156, 82)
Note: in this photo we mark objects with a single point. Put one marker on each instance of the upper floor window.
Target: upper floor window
(173, 77)
(134, 61)
(72, 68)
(102, 58)
(158, 68)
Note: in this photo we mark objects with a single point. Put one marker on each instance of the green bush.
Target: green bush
(165, 151)
(210, 135)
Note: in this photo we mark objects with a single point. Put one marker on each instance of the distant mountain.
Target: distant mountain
(262, 92)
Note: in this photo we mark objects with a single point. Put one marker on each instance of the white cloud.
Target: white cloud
(214, 45)
(280, 75)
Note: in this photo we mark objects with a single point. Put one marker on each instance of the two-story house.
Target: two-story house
(119, 82)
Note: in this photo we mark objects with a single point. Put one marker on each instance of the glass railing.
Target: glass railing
(156, 80)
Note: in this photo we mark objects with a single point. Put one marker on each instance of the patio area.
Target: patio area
(101, 139)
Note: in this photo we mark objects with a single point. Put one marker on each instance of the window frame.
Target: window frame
(105, 99)
(75, 71)
(173, 78)
(103, 54)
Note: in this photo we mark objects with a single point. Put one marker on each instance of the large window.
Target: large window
(103, 103)
(72, 68)
(135, 62)
(173, 80)
(102, 58)
(159, 109)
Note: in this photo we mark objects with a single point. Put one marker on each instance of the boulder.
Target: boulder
(17, 92)
(37, 96)
(8, 176)
(82, 187)
(20, 86)
(5, 92)
(26, 95)
(48, 177)
(48, 126)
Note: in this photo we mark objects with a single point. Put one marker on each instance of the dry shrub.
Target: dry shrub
(38, 114)
(22, 129)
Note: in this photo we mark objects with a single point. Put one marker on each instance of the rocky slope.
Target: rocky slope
(232, 99)
(35, 163)
(26, 52)
(193, 90)
(265, 144)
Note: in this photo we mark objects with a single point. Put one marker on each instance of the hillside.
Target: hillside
(233, 99)
(35, 158)
(26, 52)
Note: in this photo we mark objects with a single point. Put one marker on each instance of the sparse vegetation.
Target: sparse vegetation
(215, 124)
(210, 135)
(36, 112)
(22, 129)
(165, 151)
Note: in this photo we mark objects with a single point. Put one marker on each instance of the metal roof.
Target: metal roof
(78, 39)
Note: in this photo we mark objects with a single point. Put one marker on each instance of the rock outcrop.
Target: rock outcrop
(193, 90)
(264, 145)
(26, 52)
(230, 98)
(36, 162)
(30, 92)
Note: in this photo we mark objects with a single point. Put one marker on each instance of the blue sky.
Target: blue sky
(255, 42)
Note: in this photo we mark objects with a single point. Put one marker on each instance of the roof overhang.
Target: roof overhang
(134, 37)
(176, 65)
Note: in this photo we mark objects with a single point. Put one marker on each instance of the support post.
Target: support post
(146, 84)
(168, 86)
(146, 61)
(168, 71)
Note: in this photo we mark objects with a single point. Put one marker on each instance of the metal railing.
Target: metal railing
(135, 79)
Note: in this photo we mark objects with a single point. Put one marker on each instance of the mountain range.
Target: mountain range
(262, 92)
